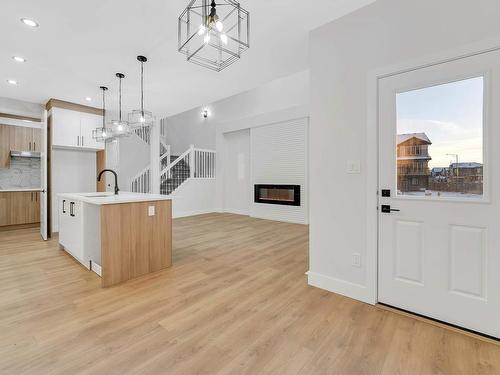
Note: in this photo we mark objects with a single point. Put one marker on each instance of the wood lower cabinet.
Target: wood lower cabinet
(18, 208)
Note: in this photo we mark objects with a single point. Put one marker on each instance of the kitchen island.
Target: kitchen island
(119, 237)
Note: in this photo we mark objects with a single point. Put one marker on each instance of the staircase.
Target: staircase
(194, 163)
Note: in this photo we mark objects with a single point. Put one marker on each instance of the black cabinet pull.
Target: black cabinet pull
(64, 206)
(71, 208)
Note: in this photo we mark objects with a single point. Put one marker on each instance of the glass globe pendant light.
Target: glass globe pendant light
(102, 134)
(120, 128)
(140, 118)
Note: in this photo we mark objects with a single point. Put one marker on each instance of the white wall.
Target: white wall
(342, 55)
(191, 128)
(72, 172)
(278, 101)
(21, 108)
(237, 184)
(133, 155)
(194, 197)
(279, 156)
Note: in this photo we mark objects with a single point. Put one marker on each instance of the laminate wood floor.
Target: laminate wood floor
(236, 301)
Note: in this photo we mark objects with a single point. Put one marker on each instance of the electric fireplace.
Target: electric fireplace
(288, 195)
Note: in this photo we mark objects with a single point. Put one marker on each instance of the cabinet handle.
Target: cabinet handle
(34, 146)
(78, 140)
(71, 208)
(82, 141)
(31, 194)
(64, 206)
(29, 147)
(36, 197)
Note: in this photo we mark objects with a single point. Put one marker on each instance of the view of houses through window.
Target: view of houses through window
(440, 140)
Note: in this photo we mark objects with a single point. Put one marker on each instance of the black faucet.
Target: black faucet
(116, 178)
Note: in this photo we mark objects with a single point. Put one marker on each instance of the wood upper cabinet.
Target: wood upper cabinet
(24, 138)
(17, 138)
(37, 139)
(4, 146)
(20, 138)
(19, 208)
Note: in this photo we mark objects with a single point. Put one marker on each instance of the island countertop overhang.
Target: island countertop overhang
(111, 198)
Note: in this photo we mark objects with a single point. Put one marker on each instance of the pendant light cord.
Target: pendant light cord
(142, 88)
(103, 108)
(120, 100)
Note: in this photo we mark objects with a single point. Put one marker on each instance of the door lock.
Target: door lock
(387, 209)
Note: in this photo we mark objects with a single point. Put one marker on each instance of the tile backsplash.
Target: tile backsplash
(24, 173)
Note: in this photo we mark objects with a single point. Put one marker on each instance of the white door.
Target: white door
(43, 180)
(439, 237)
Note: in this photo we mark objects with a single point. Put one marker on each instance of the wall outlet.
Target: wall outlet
(356, 260)
(151, 211)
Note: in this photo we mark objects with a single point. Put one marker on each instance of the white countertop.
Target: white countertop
(19, 190)
(110, 198)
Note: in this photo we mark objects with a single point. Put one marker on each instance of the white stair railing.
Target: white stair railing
(165, 155)
(144, 133)
(193, 163)
(204, 162)
(141, 183)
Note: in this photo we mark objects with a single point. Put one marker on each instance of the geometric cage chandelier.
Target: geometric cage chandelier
(213, 35)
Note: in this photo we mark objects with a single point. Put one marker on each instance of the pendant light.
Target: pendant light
(120, 128)
(140, 118)
(213, 34)
(102, 134)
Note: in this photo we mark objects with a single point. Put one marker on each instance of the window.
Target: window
(440, 140)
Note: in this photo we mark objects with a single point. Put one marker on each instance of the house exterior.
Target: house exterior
(467, 172)
(413, 162)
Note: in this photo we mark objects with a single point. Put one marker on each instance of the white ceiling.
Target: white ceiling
(80, 45)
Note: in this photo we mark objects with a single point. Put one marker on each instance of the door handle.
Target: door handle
(387, 209)
(64, 206)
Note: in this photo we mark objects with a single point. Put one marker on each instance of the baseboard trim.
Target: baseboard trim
(18, 226)
(191, 213)
(236, 212)
(345, 288)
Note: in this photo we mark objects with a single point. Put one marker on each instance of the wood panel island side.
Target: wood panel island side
(120, 237)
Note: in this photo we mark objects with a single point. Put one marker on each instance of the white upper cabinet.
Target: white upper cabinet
(72, 129)
(89, 122)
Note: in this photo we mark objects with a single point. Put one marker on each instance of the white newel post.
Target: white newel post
(191, 161)
(155, 158)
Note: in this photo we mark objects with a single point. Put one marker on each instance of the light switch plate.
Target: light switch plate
(353, 166)
(356, 260)
(151, 211)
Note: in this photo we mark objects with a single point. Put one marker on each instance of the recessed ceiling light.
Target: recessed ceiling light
(89, 99)
(19, 59)
(12, 81)
(29, 22)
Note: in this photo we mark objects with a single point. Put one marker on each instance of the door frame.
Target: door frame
(372, 142)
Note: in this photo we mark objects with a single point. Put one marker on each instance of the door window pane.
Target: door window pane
(440, 140)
